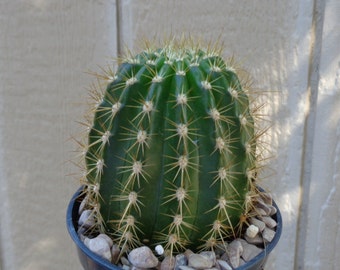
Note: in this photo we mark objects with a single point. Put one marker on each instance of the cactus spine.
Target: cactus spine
(171, 151)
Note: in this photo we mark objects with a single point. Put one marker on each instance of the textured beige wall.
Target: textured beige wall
(46, 45)
(45, 48)
(322, 232)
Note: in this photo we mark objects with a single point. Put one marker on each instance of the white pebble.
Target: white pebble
(268, 234)
(199, 261)
(184, 267)
(106, 238)
(223, 265)
(159, 250)
(126, 267)
(188, 252)
(181, 260)
(258, 223)
(210, 255)
(82, 206)
(99, 246)
(81, 233)
(142, 257)
(242, 262)
(235, 250)
(168, 263)
(125, 261)
(86, 219)
(266, 208)
(252, 231)
(259, 212)
(267, 198)
(271, 223)
(115, 252)
(257, 240)
(273, 210)
(249, 250)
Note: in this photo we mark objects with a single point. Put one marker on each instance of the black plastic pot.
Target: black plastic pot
(91, 261)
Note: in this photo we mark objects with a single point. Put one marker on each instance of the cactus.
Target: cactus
(171, 154)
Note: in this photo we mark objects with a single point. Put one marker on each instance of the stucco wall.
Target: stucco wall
(46, 46)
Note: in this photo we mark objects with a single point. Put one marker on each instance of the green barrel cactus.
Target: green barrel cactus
(171, 154)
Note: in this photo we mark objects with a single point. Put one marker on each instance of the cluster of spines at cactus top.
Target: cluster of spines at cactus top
(171, 152)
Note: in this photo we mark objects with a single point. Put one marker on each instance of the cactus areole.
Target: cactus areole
(171, 151)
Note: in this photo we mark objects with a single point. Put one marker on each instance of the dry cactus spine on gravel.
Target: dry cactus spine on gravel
(172, 149)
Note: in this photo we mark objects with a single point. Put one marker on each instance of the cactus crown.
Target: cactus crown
(171, 152)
